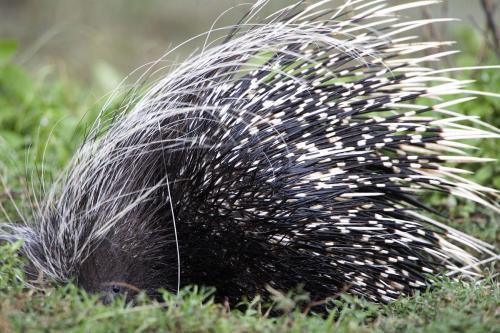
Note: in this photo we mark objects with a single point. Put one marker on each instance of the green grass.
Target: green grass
(451, 307)
(43, 118)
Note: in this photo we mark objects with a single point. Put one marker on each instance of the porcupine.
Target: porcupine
(294, 151)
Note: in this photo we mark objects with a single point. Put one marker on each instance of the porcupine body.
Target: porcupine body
(294, 152)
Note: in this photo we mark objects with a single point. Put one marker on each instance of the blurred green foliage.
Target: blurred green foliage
(487, 108)
(38, 113)
(42, 122)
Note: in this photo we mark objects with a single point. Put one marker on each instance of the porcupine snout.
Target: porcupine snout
(127, 261)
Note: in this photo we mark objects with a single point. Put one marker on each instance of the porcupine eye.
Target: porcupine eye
(106, 272)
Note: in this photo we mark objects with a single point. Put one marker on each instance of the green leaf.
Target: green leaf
(16, 82)
(7, 50)
(13, 139)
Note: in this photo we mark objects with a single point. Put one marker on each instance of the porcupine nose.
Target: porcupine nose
(107, 298)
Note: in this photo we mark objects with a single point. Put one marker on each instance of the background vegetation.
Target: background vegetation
(48, 98)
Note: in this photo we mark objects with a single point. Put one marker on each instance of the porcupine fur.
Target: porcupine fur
(295, 151)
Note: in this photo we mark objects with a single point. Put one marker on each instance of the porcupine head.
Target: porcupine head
(130, 257)
(300, 167)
